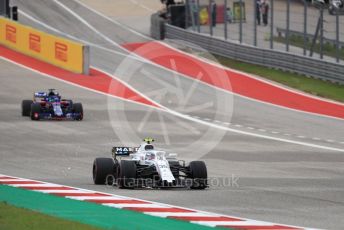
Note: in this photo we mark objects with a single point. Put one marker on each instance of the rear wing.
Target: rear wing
(123, 151)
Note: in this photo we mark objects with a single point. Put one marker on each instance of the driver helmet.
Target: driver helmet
(53, 99)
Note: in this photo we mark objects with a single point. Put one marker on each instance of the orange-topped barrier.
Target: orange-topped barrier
(61, 52)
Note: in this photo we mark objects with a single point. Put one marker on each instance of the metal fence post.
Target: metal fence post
(211, 18)
(226, 19)
(305, 40)
(288, 27)
(315, 37)
(272, 25)
(191, 5)
(255, 22)
(240, 24)
(337, 37)
(5, 8)
(321, 33)
(198, 18)
(186, 14)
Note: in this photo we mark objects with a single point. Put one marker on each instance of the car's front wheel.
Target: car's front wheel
(199, 175)
(127, 174)
(35, 111)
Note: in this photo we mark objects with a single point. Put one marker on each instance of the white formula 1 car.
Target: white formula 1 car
(146, 167)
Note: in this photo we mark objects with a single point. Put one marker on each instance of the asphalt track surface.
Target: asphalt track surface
(278, 181)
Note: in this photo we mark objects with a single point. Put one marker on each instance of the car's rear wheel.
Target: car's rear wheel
(199, 175)
(35, 111)
(127, 174)
(77, 108)
(26, 107)
(103, 168)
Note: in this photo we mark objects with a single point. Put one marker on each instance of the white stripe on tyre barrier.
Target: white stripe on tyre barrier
(143, 206)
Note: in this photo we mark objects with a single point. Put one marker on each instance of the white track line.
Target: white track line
(81, 40)
(141, 59)
(218, 65)
(223, 67)
(162, 205)
(190, 118)
(256, 100)
(151, 205)
(73, 84)
(61, 191)
(187, 117)
(252, 76)
(234, 223)
(6, 180)
(142, 6)
(166, 214)
(81, 19)
(209, 62)
(37, 185)
(114, 21)
(95, 198)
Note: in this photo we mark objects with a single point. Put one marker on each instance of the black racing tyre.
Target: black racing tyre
(77, 108)
(102, 168)
(26, 107)
(127, 174)
(198, 172)
(35, 111)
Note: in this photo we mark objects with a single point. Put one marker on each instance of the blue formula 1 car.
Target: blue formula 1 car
(49, 105)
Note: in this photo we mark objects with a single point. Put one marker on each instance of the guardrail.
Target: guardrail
(308, 66)
(281, 32)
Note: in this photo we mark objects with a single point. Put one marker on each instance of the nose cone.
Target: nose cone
(57, 110)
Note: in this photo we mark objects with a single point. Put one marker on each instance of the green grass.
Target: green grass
(309, 85)
(328, 49)
(13, 218)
